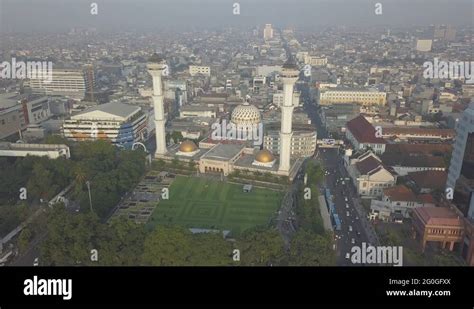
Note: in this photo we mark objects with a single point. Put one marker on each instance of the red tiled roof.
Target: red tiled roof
(396, 159)
(363, 131)
(367, 165)
(426, 199)
(400, 193)
(427, 149)
(429, 179)
(438, 216)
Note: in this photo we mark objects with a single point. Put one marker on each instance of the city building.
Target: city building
(197, 111)
(364, 97)
(278, 97)
(225, 154)
(362, 135)
(70, 83)
(40, 150)
(427, 181)
(199, 69)
(119, 123)
(303, 142)
(437, 224)
(398, 200)
(315, 61)
(268, 32)
(424, 45)
(406, 163)
(368, 174)
(417, 134)
(335, 117)
(19, 111)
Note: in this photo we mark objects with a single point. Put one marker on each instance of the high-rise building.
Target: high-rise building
(461, 169)
(65, 82)
(461, 179)
(444, 32)
(268, 32)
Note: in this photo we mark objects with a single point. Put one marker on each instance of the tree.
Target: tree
(210, 249)
(261, 247)
(56, 139)
(158, 164)
(309, 249)
(70, 238)
(40, 184)
(168, 246)
(121, 243)
(24, 239)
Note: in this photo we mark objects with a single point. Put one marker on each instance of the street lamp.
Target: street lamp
(88, 184)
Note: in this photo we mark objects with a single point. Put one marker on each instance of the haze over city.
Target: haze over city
(158, 15)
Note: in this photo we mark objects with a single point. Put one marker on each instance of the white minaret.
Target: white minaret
(156, 65)
(289, 76)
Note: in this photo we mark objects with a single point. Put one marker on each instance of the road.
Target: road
(355, 227)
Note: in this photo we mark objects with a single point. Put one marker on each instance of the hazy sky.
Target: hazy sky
(61, 15)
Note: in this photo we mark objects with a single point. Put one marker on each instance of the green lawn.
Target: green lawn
(203, 203)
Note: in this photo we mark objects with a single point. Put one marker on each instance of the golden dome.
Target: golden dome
(187, 146)
(264, 156)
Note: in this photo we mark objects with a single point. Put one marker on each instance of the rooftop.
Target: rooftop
(429, 179)
(407, 160)
(367, 165)
(400, 193)
(116, 109)
(438, 216)
(363, 131)
(223, 152)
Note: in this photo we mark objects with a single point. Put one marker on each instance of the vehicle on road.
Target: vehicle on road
(345, 199)
(347, 206)
(353, 241)
(347, 213)
(337, 222)
(36, 262)
(348, 255)
(350, 228)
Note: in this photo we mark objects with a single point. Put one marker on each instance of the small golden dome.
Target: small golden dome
(187, 146)
(264, 156)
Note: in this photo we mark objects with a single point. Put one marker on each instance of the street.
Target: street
(355, 227)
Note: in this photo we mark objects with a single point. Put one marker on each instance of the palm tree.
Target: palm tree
(80, 177)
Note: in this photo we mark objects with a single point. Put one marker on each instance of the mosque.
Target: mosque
(224, 155)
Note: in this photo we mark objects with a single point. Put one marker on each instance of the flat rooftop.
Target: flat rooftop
(223, 152)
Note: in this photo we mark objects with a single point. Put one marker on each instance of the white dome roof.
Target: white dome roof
(245, 114)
